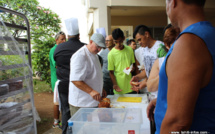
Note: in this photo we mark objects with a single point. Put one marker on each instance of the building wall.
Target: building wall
(134, 21)
(102, 16)
(137, 2)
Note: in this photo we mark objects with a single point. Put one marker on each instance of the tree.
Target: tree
(44, 24)
(41, 59)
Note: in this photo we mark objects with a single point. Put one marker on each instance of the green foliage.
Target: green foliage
(41, 58)
(10, 60)
(11, 73)
(44, 24)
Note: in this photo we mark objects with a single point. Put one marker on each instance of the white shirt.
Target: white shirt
(150, 55)
(84, 66)
(139, 55)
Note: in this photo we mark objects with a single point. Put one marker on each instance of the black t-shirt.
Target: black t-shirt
(62, 55)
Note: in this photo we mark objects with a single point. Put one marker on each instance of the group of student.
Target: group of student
(178, 71)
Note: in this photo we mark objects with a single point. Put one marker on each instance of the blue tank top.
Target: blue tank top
(204, 113)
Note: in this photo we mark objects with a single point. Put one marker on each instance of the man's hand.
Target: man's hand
(134, 83)
(134, 79)
(104, 93)
(136, 86)
(95, 95)
(116, 87)
(142, 84)
(150, 109)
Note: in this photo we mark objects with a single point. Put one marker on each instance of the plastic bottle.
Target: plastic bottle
(70, 124)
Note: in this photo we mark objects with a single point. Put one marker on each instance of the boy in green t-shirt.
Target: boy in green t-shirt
(119, 58)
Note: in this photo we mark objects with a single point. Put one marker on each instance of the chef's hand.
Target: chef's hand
(150, 109)
(95, 95)
(104, 93)
(116, 87)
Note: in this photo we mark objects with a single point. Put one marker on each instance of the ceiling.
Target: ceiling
(149, 11)
(137, 11)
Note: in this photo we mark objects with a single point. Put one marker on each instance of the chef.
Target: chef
(86, 79)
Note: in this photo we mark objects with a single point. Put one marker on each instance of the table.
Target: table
(145, 127)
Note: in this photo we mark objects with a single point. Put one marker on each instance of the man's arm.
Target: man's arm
(141, 75)
(137, 71)
(113, 79)
(189, 68)
(84, 87)
(153, 80)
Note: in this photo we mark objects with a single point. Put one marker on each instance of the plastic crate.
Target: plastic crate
(107, 121)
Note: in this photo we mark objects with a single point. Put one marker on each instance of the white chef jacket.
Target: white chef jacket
(85, 66)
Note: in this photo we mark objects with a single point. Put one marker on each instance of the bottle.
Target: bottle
(70, 124)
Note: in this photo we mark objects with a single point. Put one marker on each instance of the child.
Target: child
(119, 58)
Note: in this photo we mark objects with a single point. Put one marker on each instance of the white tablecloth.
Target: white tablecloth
(145, 127)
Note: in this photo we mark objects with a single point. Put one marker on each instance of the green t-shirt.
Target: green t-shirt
(161, 51)
(118, 60)
(53, 67)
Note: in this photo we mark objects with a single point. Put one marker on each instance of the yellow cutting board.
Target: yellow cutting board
(129, 99)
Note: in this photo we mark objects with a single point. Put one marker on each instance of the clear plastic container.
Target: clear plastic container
(107, 121)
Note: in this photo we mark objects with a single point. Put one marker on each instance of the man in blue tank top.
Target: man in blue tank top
(186, 92)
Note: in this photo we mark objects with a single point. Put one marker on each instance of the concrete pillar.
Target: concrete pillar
(108, 30)
(101, 14)
(102, 18)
